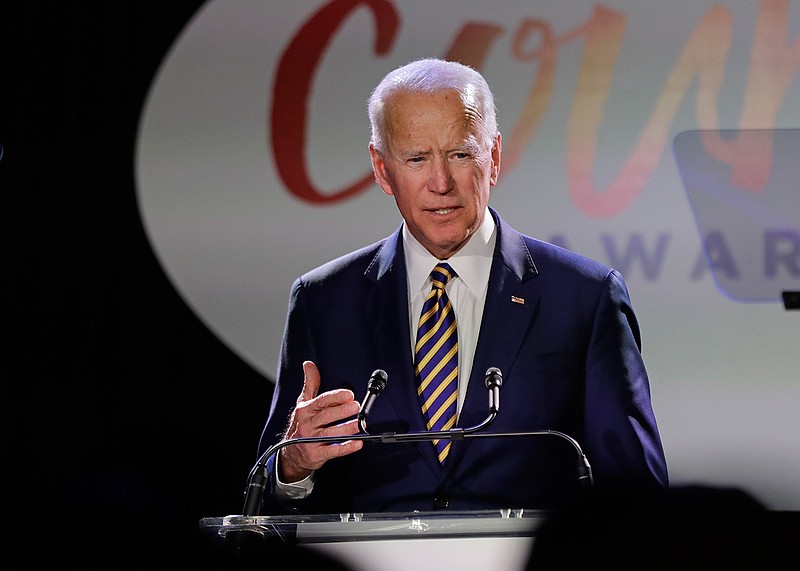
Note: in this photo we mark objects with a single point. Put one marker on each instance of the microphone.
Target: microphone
(494, 380)
(375, 386)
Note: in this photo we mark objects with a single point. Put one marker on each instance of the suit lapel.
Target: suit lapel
(387, 311)
(511, 301)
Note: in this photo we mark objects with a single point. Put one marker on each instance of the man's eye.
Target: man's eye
(416, 159)
(461, 155)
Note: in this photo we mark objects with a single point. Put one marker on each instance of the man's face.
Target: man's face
(438, 168)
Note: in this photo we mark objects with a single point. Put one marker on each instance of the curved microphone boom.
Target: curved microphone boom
(258, 478)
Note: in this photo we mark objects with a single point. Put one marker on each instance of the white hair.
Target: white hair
(431, 75)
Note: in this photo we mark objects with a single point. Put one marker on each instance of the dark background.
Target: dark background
(125, 419)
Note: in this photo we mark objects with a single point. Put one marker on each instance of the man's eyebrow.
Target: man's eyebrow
(471, 147)
(414, 153)
(457, 148)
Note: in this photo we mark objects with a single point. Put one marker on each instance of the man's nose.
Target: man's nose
(441, 180)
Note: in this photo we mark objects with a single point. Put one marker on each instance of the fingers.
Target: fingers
(309, 395)
(318, 415)
(310, 381)
(343, 449)
(299, 460)
(318, 411)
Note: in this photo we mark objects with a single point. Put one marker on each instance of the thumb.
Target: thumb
(311, 381)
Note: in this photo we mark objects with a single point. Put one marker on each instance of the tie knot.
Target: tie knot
(441, 274)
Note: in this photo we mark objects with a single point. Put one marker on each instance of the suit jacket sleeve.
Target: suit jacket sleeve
(297, 346)
(621, 434)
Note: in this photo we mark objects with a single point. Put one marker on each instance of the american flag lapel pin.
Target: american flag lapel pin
(519, 300)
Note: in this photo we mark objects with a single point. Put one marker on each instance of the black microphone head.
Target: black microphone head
(493, 377)
(377, 381)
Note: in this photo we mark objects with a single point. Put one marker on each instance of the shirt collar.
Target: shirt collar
(472, 262)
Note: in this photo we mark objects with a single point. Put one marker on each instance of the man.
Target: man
(558, 326)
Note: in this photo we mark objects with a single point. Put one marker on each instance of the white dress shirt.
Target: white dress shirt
(467, 292)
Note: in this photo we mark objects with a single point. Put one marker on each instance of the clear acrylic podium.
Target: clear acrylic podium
(490, 539)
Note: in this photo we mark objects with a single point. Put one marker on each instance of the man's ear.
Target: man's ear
(496, 152)
(379, 170)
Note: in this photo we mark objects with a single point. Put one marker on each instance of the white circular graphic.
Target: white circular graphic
(256, 127)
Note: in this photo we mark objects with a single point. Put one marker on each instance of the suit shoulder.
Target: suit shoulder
(354, 263)
(548, 260)
(550, 257)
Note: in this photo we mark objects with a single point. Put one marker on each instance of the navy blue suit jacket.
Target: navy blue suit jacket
(570, 358)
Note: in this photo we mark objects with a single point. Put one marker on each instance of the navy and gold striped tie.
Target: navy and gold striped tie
(437, 358)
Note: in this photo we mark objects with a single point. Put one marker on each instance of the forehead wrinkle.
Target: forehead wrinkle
(469, 98)
(472, 116)
(463, 131)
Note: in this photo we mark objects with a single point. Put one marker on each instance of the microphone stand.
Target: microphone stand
(258, 477)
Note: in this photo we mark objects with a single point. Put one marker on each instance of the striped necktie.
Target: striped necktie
(437, 358)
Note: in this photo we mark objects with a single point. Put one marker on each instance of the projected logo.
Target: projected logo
(744, 188)
(252, 164)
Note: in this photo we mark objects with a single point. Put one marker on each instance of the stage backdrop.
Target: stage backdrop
(657, 137)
